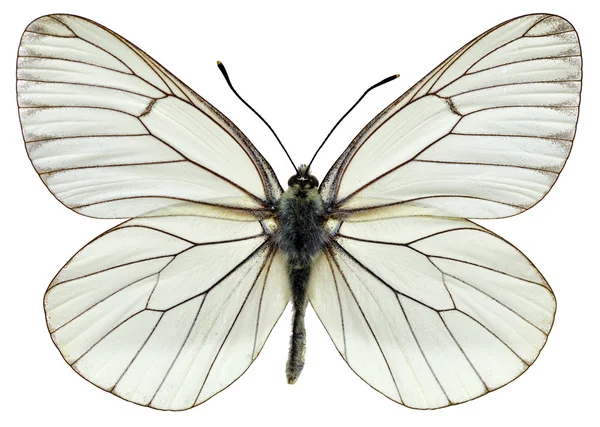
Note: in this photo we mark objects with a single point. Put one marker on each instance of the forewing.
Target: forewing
(484, 135)
(113, 134)
(169, 310)
(431, 311)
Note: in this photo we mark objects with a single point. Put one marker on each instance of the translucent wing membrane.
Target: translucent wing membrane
(113, 134)
(169, 310)
(431, 311)
(484, 135)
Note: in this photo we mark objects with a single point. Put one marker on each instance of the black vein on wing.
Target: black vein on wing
(549, 138)
(51, 35)
(442, 162)
(260, 301)
(498, 302)
(339, 300)
(266, 243)
(178, 199)
(176, 254)
(385, 283)
(115, 267)
(549, 82)
(138, 353)
(267, 257)
(485, 267)
(549, 34)
(216, 283)
(497, 48)
(102, 49)
(98, 302)
(105, 335)
(341, 249)
(488, 53)
(230, 182)
(345, 280)
(509, 64)
(494, 335)
(421, 349)
(117, 89)
(31, 66)
(417, 199)
(187, 336)
(518, 107)
(487, 389)
(55, 171)
(159, 70)
(55, 139)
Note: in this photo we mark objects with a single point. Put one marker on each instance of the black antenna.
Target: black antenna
(224, 72)
(384, 81)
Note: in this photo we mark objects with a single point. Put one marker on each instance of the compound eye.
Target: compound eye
(314, 182)
(293, 180)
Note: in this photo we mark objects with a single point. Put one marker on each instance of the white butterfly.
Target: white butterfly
(172, 306)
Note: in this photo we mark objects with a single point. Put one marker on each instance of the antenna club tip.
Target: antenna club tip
(397, 75)
(219, 63)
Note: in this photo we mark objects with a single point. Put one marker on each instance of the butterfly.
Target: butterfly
(173, 305)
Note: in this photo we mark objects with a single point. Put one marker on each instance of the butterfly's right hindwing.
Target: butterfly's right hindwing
(169, 310)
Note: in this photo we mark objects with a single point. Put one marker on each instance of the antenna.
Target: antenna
(224, 72)
(384, 81)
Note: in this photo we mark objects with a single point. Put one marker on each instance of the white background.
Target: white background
(301, 67)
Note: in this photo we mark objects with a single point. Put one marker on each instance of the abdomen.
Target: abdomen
(300, 237)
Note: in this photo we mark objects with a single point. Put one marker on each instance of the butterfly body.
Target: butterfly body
(300, 237)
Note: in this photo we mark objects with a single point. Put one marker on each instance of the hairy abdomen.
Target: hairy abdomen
(300, 236)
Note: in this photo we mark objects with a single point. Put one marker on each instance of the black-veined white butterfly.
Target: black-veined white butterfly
(172, 306)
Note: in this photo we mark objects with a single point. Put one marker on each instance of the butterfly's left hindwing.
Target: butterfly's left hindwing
(431, 311)
(169, 310)
(113, 134)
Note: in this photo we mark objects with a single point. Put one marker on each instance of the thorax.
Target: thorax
(301, 217)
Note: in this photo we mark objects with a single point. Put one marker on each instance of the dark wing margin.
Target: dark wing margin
(113, 134)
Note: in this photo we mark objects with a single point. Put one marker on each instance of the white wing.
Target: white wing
(484, 135)
(431, 311)
(169, 310)
(113, 134)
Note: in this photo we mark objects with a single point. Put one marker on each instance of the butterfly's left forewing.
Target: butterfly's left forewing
(484, 135)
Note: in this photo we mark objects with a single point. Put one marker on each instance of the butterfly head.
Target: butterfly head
(303, 179)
